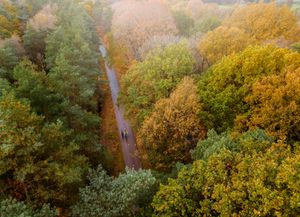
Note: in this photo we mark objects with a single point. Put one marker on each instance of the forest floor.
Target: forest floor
(109, 129)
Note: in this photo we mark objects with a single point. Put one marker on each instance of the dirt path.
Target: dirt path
(128, 146)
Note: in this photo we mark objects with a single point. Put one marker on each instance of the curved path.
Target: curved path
(128, 146)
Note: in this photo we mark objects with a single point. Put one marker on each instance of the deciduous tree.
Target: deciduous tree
(135, 22)
(173, 128)
(248, 182)
(224, 87)
(274, 21)
(154, 78)
(9, 21)
(275, 106)
(223, 41)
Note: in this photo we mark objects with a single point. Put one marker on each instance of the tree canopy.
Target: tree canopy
(274, 106)
(274, 21)
(173, 128)
(154, 78)
(223, 88)
(243, 28)
(108, 197)
(135, 22)
(258, 180)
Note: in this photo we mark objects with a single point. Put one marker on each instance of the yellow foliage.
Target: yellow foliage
(249, 25)
(265, 21)
(173, 128)
(89, 8)
(120, 58)
(275, 105)
(223, 41)
(10, 24)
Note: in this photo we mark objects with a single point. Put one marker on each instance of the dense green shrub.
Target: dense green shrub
(13, 208)
(109, 197)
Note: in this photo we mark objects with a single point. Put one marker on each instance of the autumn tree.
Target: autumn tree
(257, 180)
(223, 41)
(224, 87)
(274, 21)
(173, 128)
(274, 106)
(276, 25)
(153, 79)
(118, 54)
(135, 22)
(9, 21)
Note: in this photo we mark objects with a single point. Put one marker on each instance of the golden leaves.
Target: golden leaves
(173, 128)
(275, 105)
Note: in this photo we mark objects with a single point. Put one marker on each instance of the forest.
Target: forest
(172, 108)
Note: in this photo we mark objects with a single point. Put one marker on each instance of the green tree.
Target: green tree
(76, 81)
(12, 208)
(153, 79)
(296, 47)
(34, 86)
(216, 143)
(72, 60)
(41, 158)
(207, 23)
(183, 21)
(35, 45)
(224, 87)
(122, 196)
(11, 53)
(37, 29)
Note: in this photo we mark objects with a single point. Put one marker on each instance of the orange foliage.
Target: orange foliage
(275, 105)
(173, 128)
(259, 23)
